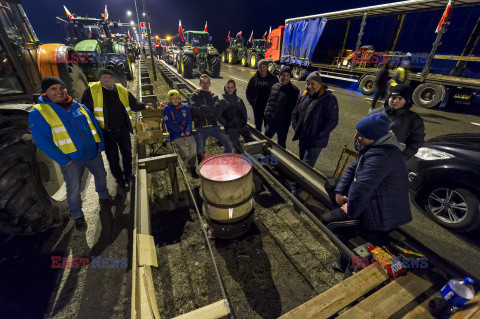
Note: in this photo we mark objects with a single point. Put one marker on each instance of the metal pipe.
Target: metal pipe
(149, 41)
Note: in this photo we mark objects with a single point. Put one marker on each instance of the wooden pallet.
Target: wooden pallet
(397, 298)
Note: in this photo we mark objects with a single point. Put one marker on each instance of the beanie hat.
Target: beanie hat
(105, 71)
(403, 90)
(314, 76)
(287, 69)
(262, 62)
(373, 126)
(172, 93)
(48, 81)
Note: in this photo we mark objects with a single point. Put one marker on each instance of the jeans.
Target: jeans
(204, 132)
(72, 175)
(281, 132)
(379, 94)
(187, 148)
(259, 115)
(115, 139)
(310, 155)
(234, 135)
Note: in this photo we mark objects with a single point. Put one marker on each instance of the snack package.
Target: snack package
(392, 266)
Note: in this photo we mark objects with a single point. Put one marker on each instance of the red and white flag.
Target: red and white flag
(269, 31)
(265, 35)
(206, 29)
(239, 34)
(180, 30)
(128, 35)
(68, 13)
(445, 16)
(90, 31)
(105, 14)
(228, 36)
(250, 40)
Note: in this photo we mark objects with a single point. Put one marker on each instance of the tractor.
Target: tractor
(256, 52)
(98, 48)
(32, 189)
(198, 54)
(235, 52)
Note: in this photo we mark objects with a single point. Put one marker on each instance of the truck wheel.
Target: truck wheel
(216, 66)
(187, 66)
(365, 84)
(79, 82)
(253, 60)
(245, 60)
(297, 72)
(428, 95)
(33, 191)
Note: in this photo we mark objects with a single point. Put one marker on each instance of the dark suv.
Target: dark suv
(445, 180)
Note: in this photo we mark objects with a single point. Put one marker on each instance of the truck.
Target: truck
(32, 189)
(354, 43)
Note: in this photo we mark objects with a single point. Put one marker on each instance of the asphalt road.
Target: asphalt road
(461, 249)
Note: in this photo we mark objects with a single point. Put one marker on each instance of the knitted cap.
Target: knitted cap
(287, 69)
(105, 71)
(262, 62)
(172, 93)
(403, 90)
(373, 126)
(314, 76)
(48, 81)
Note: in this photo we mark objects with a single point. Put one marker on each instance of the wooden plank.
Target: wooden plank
(147, 254)
(421, 311)
(471, 309)
(336, 298)
(215, 310)
(391, 298)
(457, 58)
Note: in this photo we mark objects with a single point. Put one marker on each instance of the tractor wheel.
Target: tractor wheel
(366, 84)
(130, 70)
(187, 66)
(216, 66)
(32, 186)
(253, 60)
(298, 72)
(223, 57)
(79, 82)
(245, 60)
(231, 57)
(271, 67)
(121, 78)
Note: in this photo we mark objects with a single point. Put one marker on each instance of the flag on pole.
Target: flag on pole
(250, 40)
(206, 30)
(180, 30)
(228, 36)
(239, 34)
(128, 35)
(265, 35)
(269, 31)
(105, 14)
(445, 16)
(68, 13)
(90, 32)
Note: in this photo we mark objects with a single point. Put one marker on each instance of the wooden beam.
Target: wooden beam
(457, 58)
(341, 295)
(215, 310)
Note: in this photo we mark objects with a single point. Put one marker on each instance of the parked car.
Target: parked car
(445, 180)
(171, 54)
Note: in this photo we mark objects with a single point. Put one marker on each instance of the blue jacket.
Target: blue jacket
(77, 127)
(177, 119)
(314, 123)
(376, 185)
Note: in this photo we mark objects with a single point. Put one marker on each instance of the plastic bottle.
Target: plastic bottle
(454, 294)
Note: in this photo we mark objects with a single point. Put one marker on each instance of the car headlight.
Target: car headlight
(431, 154)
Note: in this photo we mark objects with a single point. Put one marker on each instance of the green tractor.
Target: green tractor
(98, 48)
(235, 52)
(198, 54)
(256, 52)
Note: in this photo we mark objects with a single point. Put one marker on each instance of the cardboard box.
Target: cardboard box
(150, 137)
(148, 126)
(154, 113)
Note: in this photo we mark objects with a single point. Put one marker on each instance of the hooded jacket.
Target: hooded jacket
(408, 127)
(258, 90)
(77, 127)
(280, 104)
(376, 185)
(203, 106)
(178, 120)
(232, 112)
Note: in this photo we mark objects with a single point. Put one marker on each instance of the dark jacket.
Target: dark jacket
(376, 185)
(313, 118)
(381, 80)
(280, 104)
(113, 109)
(258, 90)
(203, 106)
(408, 127)
(232, 112)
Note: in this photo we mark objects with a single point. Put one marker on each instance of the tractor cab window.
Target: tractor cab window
(199, 40)
(8, 23)
(259, 44)
(9, 82)
(237, 42)
(89, 31)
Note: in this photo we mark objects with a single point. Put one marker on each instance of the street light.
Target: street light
(132, 23)
(168, 38)
(129, 13)
(144, 14)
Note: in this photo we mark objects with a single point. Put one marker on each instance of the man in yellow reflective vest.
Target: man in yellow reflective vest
(68, 133)
(112, 106)
(401, 74)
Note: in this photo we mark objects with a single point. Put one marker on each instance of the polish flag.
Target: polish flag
(90, 32)
(68, 13)
(250, 40)
(228, 36)
(265, 35)
(206, 30)
(128, 35)
(445, 16)
(180, 30)
(105, 14)
(239, 34)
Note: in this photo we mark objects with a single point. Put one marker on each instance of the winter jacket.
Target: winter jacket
(232, 112)
(376, 185)
(381, 80)
(280, 104)
(203, 105)
(408, 127)
(258, 90)
(313, 124)
(77, 127)
(178, 120)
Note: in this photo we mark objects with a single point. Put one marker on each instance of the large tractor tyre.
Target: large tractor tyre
(120, 76)
(216, 66)
(245, 60)
(33, 193)
(231, 57)
(298, 72)
(79, 82)
(224, 57)
(130, 70)
(187, 66)
(253, 60)
(365, 84)
(428, 95)
(271, 67)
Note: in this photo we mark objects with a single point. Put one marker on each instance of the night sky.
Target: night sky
(222, 16)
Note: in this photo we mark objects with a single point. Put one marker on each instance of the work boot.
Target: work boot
(80, 224)
(193, 172)
(110, 201)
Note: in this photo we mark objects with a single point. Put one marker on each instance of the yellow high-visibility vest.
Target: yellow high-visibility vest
(60, 136)
(97, 95)
(402, 76)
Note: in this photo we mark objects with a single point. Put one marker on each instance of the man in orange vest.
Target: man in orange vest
(112, 106)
